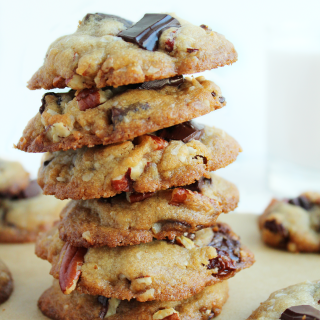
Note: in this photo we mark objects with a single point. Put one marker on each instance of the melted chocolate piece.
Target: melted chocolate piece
(203, 26)
(185, 132)
(100, 16)
(303, 312)
(146, 32)
(275, 227)
(45, 163)
(117, 114)
(228, 250)
(159, 84)
(43, 101)
(301, 201)
(32, 190)
(105, 306)
(213, 93)
(222, 99)
(196, 186)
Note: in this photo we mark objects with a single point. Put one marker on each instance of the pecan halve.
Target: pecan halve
(70, 269)
(179, 195)
(160, 143)
(88, 99)
(123, 183)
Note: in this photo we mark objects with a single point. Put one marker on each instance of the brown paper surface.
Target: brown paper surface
(273, 270)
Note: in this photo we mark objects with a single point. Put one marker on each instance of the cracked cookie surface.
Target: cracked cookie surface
(157, 270)
(202, 306)
(147, 164)
(93, 117)
(95, 56)
(6, 283)
(306, 293)
(164, 215)
(293, 224)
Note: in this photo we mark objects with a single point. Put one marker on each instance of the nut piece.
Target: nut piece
(113, 305)
(137, 197)
(203, 237)
(161, 143)
(90, 98)
(186, 242)
(148, 295)
(122, 183)
(179, 195)
(70, 269)
(163, 314)
(59, 82)
(57, 131)
(141, 284)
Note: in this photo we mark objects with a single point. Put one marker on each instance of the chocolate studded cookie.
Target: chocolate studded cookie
(146, 164)
(108, 51)
(293, 224)
(93, 117)
(6, 283)
(158, 270)
(207, 304)
(134, 218)
(22, 219)
(300, 301)
(13, 178)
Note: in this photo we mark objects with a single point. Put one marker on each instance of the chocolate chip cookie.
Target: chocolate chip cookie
(134, 218)
(293, 224)
(13, 178)
(22, 219)
(158, 270)
(300, 301)
(146, 164)
(107, 51)
(6, 283)
(206, 304)
(93, 117)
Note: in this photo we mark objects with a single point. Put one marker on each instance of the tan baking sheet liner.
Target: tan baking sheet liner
(273, 270)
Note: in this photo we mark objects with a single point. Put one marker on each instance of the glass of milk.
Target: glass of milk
(293, 108)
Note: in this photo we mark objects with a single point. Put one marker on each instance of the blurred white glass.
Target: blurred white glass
(293, 66)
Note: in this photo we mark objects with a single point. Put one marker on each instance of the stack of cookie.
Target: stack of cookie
(140, 239)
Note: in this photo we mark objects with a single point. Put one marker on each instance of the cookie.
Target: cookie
(97, 55)
(147, 164)
(134, 218)
(293, 224)
(13, 178)
(21, 220)
(6, 283)
(109, 115)
(300, 301)
(205, 305)
(158, 270)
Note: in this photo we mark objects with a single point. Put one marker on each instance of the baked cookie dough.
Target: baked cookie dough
(13, 178)
(147, 164)
(22, 219)
(6, 283)
(158, 270)
(300, 301)
(134, 218)
(96, 55)
(93, 117)
(205, 305)
(293, 224)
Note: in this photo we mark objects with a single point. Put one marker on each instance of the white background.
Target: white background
(28, 27)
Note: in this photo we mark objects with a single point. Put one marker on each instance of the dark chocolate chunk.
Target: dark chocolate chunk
(303, 312)
(275, 227)
(32, 190)
(190, 50)
(301, 201)
(203, 26)
(228, 250)
(117, 114)
(45, 163)
(159, 84)
(196, 186)
(185, 132)
(43, 101)
(100, 16)
(222, 99)
(146, 32)
(213, 93)
(105, 306)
